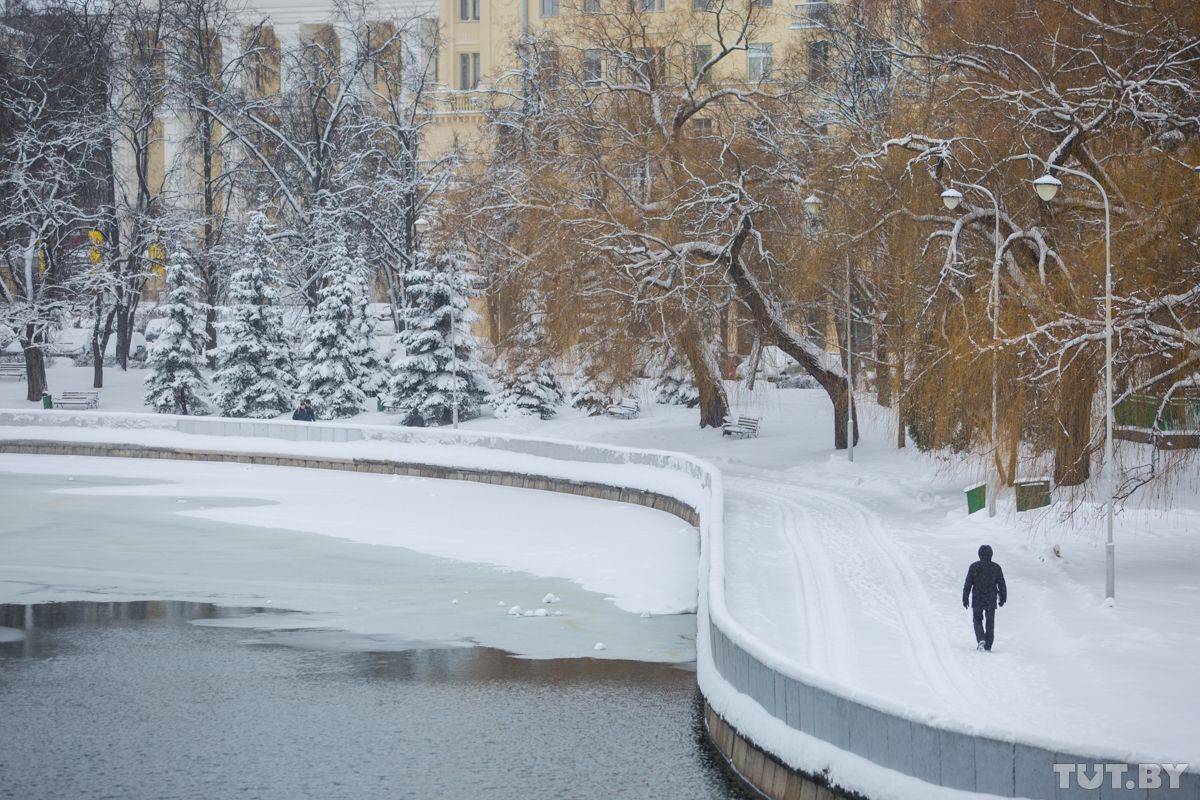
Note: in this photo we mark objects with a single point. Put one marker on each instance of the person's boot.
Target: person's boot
(980, 645)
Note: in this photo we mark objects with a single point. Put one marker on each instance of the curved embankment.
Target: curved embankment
(788, 732)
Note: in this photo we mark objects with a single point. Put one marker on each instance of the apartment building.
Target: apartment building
(480, 41)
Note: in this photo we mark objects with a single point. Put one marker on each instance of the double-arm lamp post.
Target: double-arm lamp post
(1047, 187)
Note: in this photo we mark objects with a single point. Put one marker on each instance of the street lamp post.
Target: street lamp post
(1047, 187)
(951, 198)
(812, 205)
(453, 353)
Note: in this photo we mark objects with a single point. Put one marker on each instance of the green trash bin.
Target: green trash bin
(47, 402)
(378, 403)
(1032, 493)
(976, 497)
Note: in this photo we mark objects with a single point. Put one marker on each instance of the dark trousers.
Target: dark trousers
(984, 633)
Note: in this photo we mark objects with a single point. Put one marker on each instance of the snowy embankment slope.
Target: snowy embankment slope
(853, 573)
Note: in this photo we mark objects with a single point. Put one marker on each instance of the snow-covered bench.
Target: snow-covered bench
(12, 369)
(84, 399)
(625, 409)
(741, 426)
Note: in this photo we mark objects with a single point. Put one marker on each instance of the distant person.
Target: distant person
(305, 412)
(983, 587)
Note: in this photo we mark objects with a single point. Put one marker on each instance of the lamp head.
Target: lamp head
(812, 204)
(1047, 186)
(951, 198)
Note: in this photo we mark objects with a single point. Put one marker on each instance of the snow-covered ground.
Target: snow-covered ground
(855, 571)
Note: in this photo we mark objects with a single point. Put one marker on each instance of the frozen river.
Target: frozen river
(136, 700)
(178, 630)
(404, 560)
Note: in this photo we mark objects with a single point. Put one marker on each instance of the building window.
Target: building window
(701, 55)
(760, 61)
(762, 3)
(549, 8)
(651, 5)
(468, 70)
(704, 126)
(468, 10)
(818, 61)
(879, 61)
(592, 67)
(812, 14)
(591, 6)
(702, 5)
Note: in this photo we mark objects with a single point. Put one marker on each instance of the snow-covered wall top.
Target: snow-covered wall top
(861, 743)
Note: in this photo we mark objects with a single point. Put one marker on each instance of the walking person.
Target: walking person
(305, 412)
(982, 590)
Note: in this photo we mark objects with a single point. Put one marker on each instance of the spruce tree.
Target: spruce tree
(674, 385)
(527, 383)
(175, 385)
(255, 374)
(336, 365)
(427, 373)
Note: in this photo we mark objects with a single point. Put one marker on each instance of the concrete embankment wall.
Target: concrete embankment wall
(800, 734)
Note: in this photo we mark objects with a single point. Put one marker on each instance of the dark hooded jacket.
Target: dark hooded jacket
(985, 582)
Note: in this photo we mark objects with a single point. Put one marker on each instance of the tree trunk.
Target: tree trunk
(776, 331)
(883, 372)
(901, 434)
(753, 361)
(1073, 428)
(35, 364)
(714, 405)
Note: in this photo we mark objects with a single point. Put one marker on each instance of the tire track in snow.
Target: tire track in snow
(928, 651)
(821, 608)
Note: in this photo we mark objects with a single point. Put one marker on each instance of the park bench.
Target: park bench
(625, 409)
(741, 426)
(85, 399)
(12, 369)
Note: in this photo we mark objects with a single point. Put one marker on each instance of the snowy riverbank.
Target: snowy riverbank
(853, 572)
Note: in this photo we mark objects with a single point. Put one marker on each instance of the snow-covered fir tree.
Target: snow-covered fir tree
(596, 384)
(338, 358)
(674, 385)
(175, 385)
(527, 383)
(427, 373)
(255, 374)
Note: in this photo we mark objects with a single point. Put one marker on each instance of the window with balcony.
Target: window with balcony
(468, 70)
(760, 57)
(811, 14)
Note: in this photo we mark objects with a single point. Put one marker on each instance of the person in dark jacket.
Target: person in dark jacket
(305, 412)
(981, 591)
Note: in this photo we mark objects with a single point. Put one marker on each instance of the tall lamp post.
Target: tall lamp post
(951, 198)
(812, 205)
(1047, 187)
